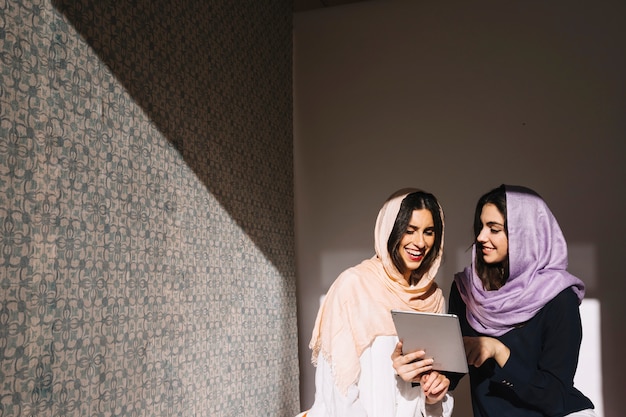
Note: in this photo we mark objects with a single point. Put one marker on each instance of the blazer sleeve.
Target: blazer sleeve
(547, 386)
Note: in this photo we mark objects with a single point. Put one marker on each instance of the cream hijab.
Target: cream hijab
(357, 307)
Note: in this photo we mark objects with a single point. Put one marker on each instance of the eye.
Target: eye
(429, 232)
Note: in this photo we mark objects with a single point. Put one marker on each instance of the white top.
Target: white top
(379, 391)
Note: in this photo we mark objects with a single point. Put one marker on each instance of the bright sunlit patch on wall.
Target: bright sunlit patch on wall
(588, 378)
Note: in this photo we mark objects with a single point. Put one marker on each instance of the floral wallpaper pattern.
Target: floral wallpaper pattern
(146, 209)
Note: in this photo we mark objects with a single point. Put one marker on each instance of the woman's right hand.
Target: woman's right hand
(479, 349)
(412, 366)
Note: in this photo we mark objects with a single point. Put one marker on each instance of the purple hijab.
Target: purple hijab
(537, 268)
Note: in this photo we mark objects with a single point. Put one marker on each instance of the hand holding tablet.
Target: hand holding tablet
(439, 335)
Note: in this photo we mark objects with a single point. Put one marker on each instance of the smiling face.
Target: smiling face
(417, 241)
(492, 240)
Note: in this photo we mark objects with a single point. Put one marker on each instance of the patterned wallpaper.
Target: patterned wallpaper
(146, 209)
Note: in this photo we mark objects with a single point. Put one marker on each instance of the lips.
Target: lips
(414, 255)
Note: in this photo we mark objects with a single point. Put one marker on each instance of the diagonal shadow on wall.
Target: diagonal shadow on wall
(195, 69)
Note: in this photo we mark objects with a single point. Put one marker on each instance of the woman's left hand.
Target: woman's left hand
(435, 386)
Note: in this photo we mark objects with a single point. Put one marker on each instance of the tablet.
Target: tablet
(439, 335)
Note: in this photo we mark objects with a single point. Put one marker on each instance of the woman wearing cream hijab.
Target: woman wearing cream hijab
(361, 370)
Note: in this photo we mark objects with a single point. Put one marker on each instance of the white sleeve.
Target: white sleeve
(441, 409)
(378, 393)
(329, 402)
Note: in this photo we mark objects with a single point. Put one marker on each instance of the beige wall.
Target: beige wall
(456, 98)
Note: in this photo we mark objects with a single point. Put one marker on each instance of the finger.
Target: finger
(439, 385)
(469, 344)
(412, 370)
(471, 355)
(407, 373)
(434, 398)
(428, 379)
(399, 346)
(397, 352)
(428, 362)
(474, 357)
(415, 356)
(478, 362)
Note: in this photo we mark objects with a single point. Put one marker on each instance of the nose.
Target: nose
(419, 241)
(482, 236)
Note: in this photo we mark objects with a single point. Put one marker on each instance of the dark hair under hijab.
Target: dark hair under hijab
(415, 201)
(493, 276)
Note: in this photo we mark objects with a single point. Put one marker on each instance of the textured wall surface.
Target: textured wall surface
(146, 209)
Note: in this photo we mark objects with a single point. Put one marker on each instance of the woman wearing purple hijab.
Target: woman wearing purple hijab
(519, 310)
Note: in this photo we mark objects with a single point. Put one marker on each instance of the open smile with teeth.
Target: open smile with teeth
(415, 255)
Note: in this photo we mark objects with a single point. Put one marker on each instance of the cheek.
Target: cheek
(406, 239)
(505, 247)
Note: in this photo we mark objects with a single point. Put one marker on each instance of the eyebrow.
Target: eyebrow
(417, 227)
(494, 224)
